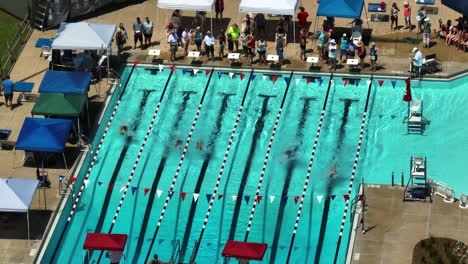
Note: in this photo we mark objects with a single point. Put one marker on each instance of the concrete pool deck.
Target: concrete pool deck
(31, 68)
(396, 226)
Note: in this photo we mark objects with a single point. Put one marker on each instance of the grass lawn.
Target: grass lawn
(8, 26)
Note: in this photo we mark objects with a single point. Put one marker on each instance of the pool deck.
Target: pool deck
(31, 68)
(395, 227)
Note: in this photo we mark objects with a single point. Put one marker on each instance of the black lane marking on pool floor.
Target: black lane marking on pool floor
(201, 176)
(259, 126)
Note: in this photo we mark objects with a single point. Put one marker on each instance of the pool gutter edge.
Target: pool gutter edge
(64, 199)
(355, 226)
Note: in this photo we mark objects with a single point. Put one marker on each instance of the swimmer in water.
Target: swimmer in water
(199, 145)
(289, 153)
(332, 172)
(178, 143)
(123, 129)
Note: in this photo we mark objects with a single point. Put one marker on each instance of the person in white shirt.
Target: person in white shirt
(148, 31)
(209, 41)
(416, 62)
(186, 40)
(173, 40)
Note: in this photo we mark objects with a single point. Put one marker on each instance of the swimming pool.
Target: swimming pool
(386, 148)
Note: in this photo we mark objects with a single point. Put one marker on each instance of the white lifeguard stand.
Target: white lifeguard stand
(415, 117)
(417, 188)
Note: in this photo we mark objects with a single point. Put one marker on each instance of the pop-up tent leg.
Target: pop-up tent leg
(64, 160)
(29, 236)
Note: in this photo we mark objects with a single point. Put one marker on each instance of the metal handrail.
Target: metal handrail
(176, 253)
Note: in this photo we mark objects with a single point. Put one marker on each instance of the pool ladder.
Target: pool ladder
(115, 77)
(175, 252)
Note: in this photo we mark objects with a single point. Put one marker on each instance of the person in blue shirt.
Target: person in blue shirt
(138, 33)
(7, 87)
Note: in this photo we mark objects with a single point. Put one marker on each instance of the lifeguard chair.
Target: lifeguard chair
(416, 121)
(417, 188)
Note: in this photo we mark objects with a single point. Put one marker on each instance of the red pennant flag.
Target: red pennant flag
(146, 190)
(172, 68)
(345, 82)
(296, 198)
(381, 82)
(309, 80)
(135, 63)
(73, 180)
(346, 197)
(220, 196)
(274, 78)
(207, 72)
(242, 76)
(182, 195)
(407, 97)
(111, 185)
(258, 199)
(360, 197)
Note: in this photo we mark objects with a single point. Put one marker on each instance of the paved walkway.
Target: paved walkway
(397, 226)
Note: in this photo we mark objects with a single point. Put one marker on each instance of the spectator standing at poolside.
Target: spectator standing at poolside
(246, 23)
(407, 15)
(230, 43)
(251, 46)
(362, 53)
(416, 62)
(7, 88)
(261, 49)
(303, 43)
(120, 40)
(427, 32)
(172, 40)
(219, 8)
(320, 43)
(421, 16)
(350, 50)
(302, 17)
(222, 43)
(332, 54)
(373, 56)
(343, 43)
(197, 39)
(209, 41)
(280, 48)
(234, 30)
(176, 18)
(148, 31)
(186, 40)
(394, 16)
(260, 25)
(137, 33)
(325, 43)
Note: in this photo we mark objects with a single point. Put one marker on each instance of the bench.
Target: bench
(376, 7)
(23, 87)
(425, 2)
(4, 135)
(430, 10)
(380, 18)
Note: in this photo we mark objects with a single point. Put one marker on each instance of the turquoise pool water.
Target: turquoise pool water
(386, 149)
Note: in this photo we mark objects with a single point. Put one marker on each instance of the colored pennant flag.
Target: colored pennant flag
(298, 80)
(122, 188)
(258, 199)
(380, 82)
(345, 82)
(241, 75)
(264, 77)
(357, 82)
(252, 77)
(234, 198)
(310, 80)
(61, 177)
(247, 198)
(184, 71)
(284, 199)
(134, 190)
(182, 195)
(170, 194)
(274, 78)
(207, 72)
(72, 180)
(360, 197)
(159, 192)
(220, 196)
(332, 196)
(208, 197)
(286, 79)
(332, 82)
(272, 198)
(195, 197)
(220, 74)
(393, 83)
(146, 190)
(161, 67)
(111, 185)
(346, 197)
(195, 71)
(319, 198)
(99, 183)
(368, 82)
(296, 198)
(172, 68)
(231, 74)
(320, 81)
(408, 97)
(135, 63)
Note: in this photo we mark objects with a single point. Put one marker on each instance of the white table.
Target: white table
(272, 58)
(312, 60)
(194, 54)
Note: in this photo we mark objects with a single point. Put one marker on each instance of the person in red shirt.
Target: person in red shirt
(302, 16)
(219, 8)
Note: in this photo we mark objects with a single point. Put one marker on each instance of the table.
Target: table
(273, 58)
(23, 87)
(376, 7)
(44, 42)
(425, 2)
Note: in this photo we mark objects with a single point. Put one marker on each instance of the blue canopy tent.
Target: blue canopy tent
(44, 135)
(460, 6)
(340, 8)
(65, 82)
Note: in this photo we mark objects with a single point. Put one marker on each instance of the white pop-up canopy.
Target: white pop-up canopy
(84, 36)
(196, 5)
(16, 195)
(274, 7)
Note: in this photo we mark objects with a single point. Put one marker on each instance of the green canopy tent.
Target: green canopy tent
(62, 105)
